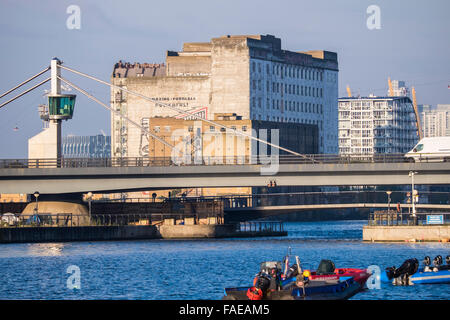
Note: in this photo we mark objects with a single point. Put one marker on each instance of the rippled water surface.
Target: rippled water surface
(199, 269)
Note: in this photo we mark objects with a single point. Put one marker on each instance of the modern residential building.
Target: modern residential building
(435, 121)
(98, 146)
(369, 125)
(400, 89)
(250, 76)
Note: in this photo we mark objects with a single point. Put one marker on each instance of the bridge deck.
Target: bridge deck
(117, 179)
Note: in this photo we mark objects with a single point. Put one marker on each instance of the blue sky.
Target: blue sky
(412, 45)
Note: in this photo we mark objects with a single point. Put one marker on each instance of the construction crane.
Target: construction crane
(416, 112)
(349, 92)
(391, 90)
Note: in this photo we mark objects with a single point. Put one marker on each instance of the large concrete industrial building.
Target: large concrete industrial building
(250, 76)
(243, 82)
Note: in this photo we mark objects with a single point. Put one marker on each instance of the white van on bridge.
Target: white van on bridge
(432, 149)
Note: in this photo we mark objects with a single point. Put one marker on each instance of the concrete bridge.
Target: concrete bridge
(256, 212)
(122, 179)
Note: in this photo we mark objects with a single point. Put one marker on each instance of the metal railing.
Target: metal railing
(77, 220)
(260, 226)
(232, 160)
(233, 201)
(73, 220)
(385, 218)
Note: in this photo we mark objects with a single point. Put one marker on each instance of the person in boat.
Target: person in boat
(275, 280)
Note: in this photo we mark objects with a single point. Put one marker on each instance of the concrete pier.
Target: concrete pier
(404, 233)
(127, 232)
(212, 231)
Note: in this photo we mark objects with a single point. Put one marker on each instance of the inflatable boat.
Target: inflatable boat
(409, 272)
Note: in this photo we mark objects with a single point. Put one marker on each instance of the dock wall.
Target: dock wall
(65, 234)
(107, 233)
(406, 233)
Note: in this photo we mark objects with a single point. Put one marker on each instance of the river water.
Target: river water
(198, 269)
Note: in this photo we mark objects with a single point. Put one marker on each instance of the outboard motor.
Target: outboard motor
(427, 262)
(437, 261)
(401, 274)
(447, 266)
(263, 282)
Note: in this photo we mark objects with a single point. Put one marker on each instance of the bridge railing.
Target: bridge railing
(189, 161)
(79, 220)
(260, 226)
(73, 220)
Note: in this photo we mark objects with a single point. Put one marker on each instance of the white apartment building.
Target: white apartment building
(369, 125)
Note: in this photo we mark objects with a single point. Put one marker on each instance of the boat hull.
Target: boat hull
(316, 290)
(421, 277)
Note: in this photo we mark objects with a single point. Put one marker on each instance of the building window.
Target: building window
(212, 128)
(244, 128)
(156, 129)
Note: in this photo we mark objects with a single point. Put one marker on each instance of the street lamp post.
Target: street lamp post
(413, 195)
(89, 198)
(36, 195)
(389, 201)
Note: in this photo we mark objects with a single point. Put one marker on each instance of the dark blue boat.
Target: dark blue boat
(267, 285)
(315, 290)
(409, 273)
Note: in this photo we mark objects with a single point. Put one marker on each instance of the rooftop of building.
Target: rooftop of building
(375, 98)
(130, 70)
(262, 46)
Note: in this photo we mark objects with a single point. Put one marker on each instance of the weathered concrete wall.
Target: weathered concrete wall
(46, 144)
(406, 233)
(186, 93)
(196, 231)
(230, 77)
(63, 234)
(210, 231)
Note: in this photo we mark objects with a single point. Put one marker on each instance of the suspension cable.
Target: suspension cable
(182, 111)
(116, 112)
(26, 81)
(25, 92)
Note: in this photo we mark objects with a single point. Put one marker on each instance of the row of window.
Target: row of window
(294, 106)
(285, 71)
(278, 87)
